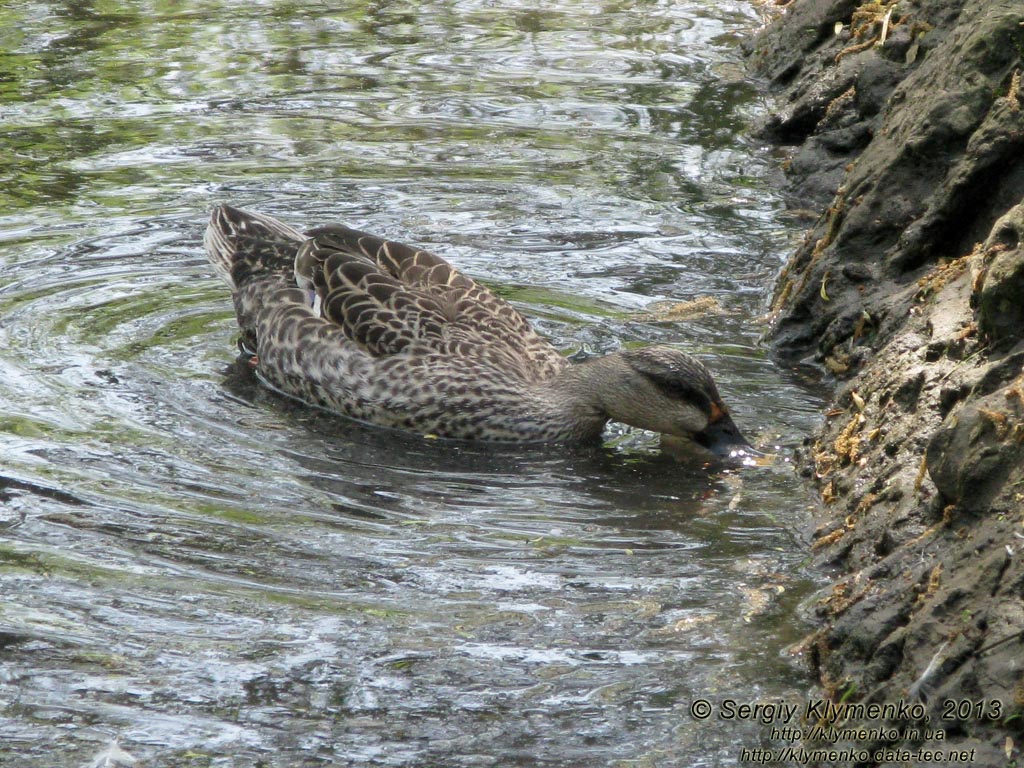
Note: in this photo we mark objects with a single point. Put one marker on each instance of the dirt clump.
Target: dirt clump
(908, 131)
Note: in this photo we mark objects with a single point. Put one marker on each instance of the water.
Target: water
(215, 577)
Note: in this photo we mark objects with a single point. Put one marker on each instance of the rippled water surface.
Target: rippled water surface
(215, 577)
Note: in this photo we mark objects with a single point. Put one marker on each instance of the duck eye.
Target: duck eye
(675, 388)
(680, 389)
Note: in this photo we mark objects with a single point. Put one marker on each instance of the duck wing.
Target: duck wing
(389, 298)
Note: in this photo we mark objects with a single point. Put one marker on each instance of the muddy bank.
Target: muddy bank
(907, 122)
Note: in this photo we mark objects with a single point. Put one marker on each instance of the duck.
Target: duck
(395, 336)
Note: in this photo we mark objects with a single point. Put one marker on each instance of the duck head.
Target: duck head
(673, 393)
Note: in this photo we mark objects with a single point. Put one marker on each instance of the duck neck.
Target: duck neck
(578, 398)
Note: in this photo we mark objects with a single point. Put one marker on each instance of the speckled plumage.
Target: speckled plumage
(396, 336)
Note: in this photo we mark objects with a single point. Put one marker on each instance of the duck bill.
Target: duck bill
(723, 438)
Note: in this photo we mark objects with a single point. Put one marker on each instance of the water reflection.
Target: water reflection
(210, 574)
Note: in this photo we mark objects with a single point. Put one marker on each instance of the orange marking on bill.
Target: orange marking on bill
(718, 413)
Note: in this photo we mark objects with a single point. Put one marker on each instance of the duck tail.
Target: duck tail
(241, 244)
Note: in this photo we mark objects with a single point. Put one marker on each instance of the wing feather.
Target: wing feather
(389, 297)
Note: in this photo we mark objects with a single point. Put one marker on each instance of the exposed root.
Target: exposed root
(847, 444)
(934, 579)
(828, 541)
(869, 25)
(1013, 97)
(938, 278)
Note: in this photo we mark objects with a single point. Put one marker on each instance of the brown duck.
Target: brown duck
(396, 336)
